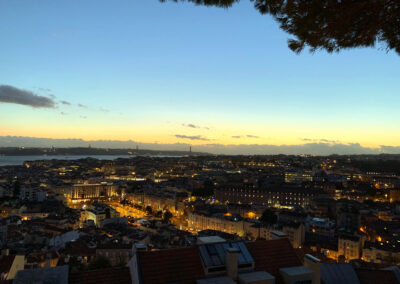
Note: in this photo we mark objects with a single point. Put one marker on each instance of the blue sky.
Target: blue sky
(155, 66)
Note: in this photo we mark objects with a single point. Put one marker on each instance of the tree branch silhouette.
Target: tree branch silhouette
(330, 25)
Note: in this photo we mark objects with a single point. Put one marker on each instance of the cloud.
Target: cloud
(63, 113)
(195, 137)
(213, 148)
(82, 106)
(66, 103)
(320, 140)
(83, 116)
(248, 136)
(104, 110)
(44, 90)
(13, 95)
(191, 125)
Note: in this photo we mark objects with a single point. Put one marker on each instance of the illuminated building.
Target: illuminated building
(275, 196)
(298, 177)
(97, 213)
(227, 224)
(86, 192)
(350, 246)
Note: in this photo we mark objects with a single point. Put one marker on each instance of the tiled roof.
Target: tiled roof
(367, 276)
(81, 251)
(301, 252)
(182, 266)
(101, 276)
(273, 254)
(332, 273)
(114, 246)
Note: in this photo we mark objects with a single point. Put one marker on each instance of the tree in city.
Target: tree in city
(108, 213)
(100, 262)
(16, 189)
(268, 217)
(167, 216)
(206, 190)
(331, 25)
(158, 214)
(149, 210)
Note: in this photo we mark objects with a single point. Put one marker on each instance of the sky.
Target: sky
(179, 74)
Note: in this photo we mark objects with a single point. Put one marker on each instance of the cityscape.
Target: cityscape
(200, 142)
(89, 218)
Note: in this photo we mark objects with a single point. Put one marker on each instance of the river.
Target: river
(19, 160)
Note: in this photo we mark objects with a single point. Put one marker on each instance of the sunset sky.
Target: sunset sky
(170, 73)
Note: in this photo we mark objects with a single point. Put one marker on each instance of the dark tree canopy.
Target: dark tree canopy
(167, 216)
(99, 262)
(268, 217)
(331, 25)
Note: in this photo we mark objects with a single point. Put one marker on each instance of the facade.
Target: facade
(118, 254)
(87, 192)
(295, 233)
(97, 214)
(321, 228)
(266, 196)
(156, 202)
(32, 194)
(378, 252)
(350, 246)
(10, 265)
(298, 176)
(199, 222)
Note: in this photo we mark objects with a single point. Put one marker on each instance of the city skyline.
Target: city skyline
(177, 74)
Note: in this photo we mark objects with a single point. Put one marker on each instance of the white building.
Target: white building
(32, 194)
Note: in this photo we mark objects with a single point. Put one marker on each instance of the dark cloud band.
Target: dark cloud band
(13, 95)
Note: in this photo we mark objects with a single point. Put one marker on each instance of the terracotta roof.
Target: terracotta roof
(81, 251)
(102, 276)
(114, 246)
(368, 276)
(301, 252)
(182, 266)
(273, 254)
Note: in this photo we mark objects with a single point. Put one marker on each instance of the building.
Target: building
(295, 233)
(32, 194)
(97, 213)
(223, 223)
(318, 228)
(350, 246)
(381, 252)
(118, 254)
(160, 201)
(10, 265)
(58, 274)
(87, 192)
(273, 196)
(298, 176)
(224, 262)
(348, 216)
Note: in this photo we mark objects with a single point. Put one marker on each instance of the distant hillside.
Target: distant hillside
(22, 151)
